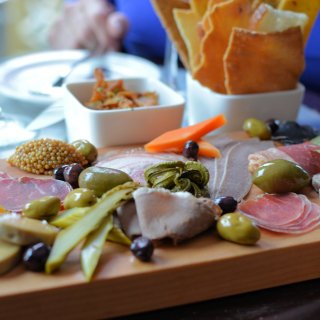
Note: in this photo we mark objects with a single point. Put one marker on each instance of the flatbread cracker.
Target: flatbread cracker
(309, 7)
(164, 9)
(187, 23)
(263, 62)
(223, 18)
(199, 6)
(206, 22)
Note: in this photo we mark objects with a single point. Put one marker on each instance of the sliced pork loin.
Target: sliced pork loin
(284, 213)
(179, 216)
(128, 219)
(134, 162)
(307, 155)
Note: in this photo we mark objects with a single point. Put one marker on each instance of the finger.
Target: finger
(117, 25)
(97, 13)
(81, 28)
(61, 35)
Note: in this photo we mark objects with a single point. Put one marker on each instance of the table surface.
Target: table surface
(295, 301)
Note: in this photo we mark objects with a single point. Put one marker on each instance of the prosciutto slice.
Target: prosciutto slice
(4, 175)
(134, 163)
(16, 192)
(285, 213)
(307, 155)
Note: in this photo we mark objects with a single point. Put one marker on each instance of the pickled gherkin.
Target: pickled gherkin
(69, 217)
(93, 246)
(70, 237)
(116, 235)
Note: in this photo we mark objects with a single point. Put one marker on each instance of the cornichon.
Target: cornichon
(116, 235)
(191, 176)
(68, 238)
(93, 246)
(69, 217)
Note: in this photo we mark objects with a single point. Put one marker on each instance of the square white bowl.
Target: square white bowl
(202, 103)
(115, 127)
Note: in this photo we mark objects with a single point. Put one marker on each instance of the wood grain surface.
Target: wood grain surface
(200, 269)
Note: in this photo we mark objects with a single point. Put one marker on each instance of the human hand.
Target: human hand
(92, 25)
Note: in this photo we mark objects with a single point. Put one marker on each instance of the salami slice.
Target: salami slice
(278, 209)
(16, 192)
(287, 213)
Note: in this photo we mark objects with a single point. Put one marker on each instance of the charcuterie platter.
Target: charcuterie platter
(201, 268)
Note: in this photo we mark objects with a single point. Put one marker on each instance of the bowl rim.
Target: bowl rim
(178, 104)
(300, 88)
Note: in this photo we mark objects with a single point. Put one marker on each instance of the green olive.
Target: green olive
(257, 128)
(100, 179)
(238, 228)
(280, 176)
(87, 149)
(42, 208)
(79, 198)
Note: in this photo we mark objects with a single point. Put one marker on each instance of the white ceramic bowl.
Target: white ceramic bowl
(204, 103)
(124, 126)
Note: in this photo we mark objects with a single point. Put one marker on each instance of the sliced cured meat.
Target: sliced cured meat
(286, 213)
(16, 192)
(307, 155)
(279, 209)
(4, 175)
(134, 163)
(259, 158)
(230, 171)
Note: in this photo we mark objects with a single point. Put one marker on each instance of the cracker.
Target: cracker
(199, 7)
(223, 17)
(164, 10)
(263, 62)
(309, 7)
(187, 23)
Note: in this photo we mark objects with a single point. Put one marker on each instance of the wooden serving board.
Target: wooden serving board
(200, 269)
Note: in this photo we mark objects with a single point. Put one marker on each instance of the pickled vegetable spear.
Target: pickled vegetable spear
(93, 246)
(116, 235)
(69, 217)
(68, 238)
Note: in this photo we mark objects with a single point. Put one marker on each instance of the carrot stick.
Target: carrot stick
(206, 149)
(175, 139)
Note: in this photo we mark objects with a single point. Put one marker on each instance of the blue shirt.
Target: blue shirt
(146, 36)
(311, 75)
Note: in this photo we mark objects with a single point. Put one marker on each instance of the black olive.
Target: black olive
(273, 125)
(191, 150)
(227, 204)
(290, 132)
(71, 174)
(58, 172)
(142, 248)
(35, 257)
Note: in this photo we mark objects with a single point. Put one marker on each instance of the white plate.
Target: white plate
(21, 76)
